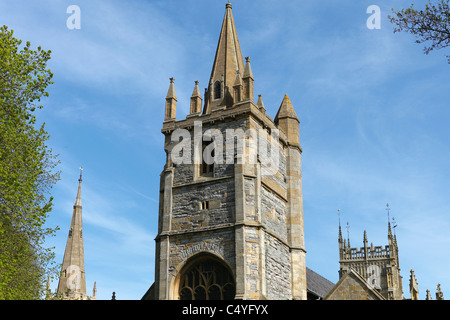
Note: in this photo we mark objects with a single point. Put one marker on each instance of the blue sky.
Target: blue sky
(373, 108)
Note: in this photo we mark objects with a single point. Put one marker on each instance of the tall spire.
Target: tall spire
(72, 281)
(227, 61)
(78, 198)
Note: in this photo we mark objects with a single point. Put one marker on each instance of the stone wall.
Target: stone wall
(273, 212)
(203, 205)
(278, 269)
(217, 242)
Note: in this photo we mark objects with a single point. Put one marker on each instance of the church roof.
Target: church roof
(317, 284)
(352, 286)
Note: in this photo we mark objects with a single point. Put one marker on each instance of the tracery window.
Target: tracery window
(207, 280)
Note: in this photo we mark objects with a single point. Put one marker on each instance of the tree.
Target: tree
(27, 171)
(431, 24)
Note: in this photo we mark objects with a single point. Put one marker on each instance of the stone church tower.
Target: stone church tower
(378, 266)
(230, 219)
(72, 281)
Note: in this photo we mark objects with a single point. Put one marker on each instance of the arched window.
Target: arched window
(207, 279)
(217, 90)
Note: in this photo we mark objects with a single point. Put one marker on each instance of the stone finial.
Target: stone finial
(413, 286)
(428, 295)
(196, 100)
(260, 104)
(439, 293)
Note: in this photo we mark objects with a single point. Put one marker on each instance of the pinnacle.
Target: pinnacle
(171, 92)
(286, 109)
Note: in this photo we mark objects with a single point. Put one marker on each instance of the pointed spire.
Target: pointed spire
(227, 60)
(78, 198)
(348, 234)
(339, 220)
(72, 276)
(388, 209)
(171, 102)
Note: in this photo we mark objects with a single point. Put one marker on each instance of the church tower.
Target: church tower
(72, 281)
(231, 205)
(378, 266)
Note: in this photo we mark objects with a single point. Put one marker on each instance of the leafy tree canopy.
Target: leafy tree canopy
(27, 170)
(430, 26)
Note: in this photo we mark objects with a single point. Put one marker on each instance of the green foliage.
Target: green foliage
(431, 24)
(26, 170)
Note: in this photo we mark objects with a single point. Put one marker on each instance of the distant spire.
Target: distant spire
(78, 198)
(348, 234)
(339, 218)
(388, 209)
(72, 271)
(339, 221)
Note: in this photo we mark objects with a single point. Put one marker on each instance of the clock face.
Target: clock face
(373, 276)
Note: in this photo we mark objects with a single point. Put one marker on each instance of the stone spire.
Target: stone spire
(72, 281)
(227, 61)
(287, 120)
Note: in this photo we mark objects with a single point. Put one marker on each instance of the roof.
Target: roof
(317, 284)
(334, 293)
